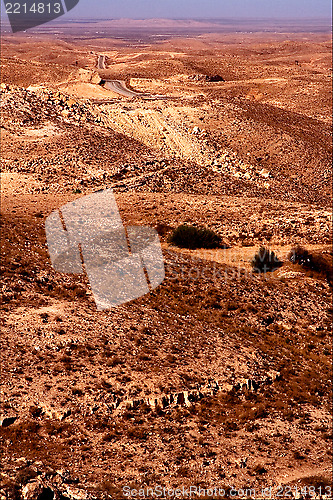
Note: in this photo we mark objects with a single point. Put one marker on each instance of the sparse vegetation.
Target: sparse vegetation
(249, 161)
(265, 261)
(259, 469)
(193, 237)
(311, 261)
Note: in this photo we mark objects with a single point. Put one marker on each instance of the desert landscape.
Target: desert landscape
(221, 377)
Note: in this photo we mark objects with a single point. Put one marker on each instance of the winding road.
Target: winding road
(119, 86)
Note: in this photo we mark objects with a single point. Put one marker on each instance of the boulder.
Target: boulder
(37, 491)
(7, 421)
(95, 78)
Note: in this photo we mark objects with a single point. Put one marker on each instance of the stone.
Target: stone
(152, 402)
(242, 463)
(37, 491)
(180, 399)
(32, 490)
(186, 398)
(7, 421)
(264, 173)
(95, 79)
(61, 415)
(165, 401)
(215, 78)
(206, 78)
(66, 477)
(252, 385)
(58, 414)
(76, 494)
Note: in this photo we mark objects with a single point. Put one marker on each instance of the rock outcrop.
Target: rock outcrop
(206, 78)
(187, 398)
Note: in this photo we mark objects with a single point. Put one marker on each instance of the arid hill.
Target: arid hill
(220, 377)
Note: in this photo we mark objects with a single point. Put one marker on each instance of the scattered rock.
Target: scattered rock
(76, 494)
(206, 78)
(242, 462)
(53, 413)
(186, 398)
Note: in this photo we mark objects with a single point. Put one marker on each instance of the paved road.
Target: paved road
(101, 62)
(119, 87)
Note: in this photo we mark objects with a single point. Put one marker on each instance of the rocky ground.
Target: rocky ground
(220, 377)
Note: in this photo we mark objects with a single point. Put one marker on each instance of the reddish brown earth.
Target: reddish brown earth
(250, 158)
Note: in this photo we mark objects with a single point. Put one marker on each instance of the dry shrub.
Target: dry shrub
(265, 261)
(259, 469)
(192, 237)
(318, 481)
(313, 262)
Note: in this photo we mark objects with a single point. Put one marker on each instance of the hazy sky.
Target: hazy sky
(202, 8)
(141, 9)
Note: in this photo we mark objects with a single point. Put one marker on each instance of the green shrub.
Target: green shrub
(265, 261)
(192, 237)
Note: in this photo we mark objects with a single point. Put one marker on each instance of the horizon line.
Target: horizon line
(228, 18)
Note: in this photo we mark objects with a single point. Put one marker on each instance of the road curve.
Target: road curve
(120, 88)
